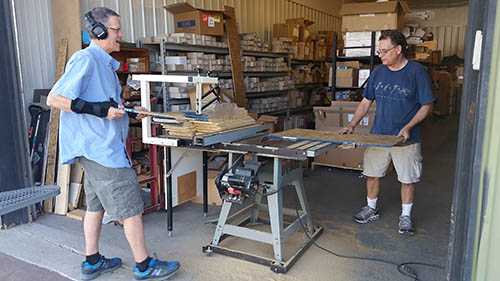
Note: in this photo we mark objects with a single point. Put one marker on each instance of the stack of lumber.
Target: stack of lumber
(179, 126)
(222, 117)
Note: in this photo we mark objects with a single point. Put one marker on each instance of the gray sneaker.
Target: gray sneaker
(367, 214)
(405, 225)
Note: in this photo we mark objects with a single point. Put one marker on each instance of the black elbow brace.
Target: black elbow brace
(99, 109)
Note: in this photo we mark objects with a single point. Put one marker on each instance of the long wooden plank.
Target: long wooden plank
(333, 137)
(75, 186)
(62, 52)
(306, 146)
(233, 41)
(63, 181)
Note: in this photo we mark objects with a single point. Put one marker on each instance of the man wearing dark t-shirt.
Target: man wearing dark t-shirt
(403, 95)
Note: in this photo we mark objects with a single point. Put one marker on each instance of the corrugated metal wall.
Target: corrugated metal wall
(36, 48)
(143, 18)
(451, 39)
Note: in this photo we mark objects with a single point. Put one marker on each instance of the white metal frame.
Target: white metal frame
(146, 79)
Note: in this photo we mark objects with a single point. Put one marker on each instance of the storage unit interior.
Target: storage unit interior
(300, 70)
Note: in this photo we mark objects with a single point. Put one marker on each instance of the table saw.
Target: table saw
(285, 157)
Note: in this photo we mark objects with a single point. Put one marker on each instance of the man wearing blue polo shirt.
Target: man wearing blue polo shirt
(93, 129)
(403, 95)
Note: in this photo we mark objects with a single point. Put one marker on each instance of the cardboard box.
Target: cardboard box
(345, 77)
(350, 64)
(308, 51)
(290, 31)
(340, 157)
(304, 28)
(190, 20)
(213, 193)
(328, 36)
(345, 82)
(373, 16)
(363, 75)
(300, 50)
(270, 121)
(339, 114)
(343, 71)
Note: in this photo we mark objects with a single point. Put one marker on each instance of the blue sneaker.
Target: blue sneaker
(157, 270)
(104, 265)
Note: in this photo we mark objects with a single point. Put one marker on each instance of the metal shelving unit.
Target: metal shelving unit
(335, 59)
(165, 48)
(254, 95)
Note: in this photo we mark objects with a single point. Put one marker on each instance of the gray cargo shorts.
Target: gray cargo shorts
(115, 190)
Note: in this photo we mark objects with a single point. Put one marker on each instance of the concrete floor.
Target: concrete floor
(54, 244)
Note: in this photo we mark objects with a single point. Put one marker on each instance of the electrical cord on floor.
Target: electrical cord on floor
(403, 268)
(272, 192)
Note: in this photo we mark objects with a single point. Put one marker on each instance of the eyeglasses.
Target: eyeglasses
(115, 29)
(383, 52)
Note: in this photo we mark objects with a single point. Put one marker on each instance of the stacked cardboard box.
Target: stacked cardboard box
(257, 84)
(262, 64)
(179, 90)
(251, 42)
(135, 65)
(298, 99)
(427, 52)
(281, 45)
(309, 73)
(297, 31)
(286, 30)
(201, 60)
(347, 74)
(262, 105)
(187, 38)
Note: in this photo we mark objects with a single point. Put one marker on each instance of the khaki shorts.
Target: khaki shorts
(115, 190)
(407, 161)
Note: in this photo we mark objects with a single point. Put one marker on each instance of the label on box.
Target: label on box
(217, 18)
(364, 122)
(211, 21)
(186, 23)
(204, 18)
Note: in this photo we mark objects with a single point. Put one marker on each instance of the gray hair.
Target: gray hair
(100, 15)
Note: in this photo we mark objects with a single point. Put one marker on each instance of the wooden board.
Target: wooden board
(314, 164)
(186, 187)
(333, 137)
(74, 195)
(54, 125)
(233, 42)
(76, 214)
(63, 181)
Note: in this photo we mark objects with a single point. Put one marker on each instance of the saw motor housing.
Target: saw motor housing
(238, 185)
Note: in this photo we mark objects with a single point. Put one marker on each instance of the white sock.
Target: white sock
(372, 203)
(406, 209)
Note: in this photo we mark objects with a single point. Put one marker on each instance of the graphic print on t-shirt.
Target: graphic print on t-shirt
(387, 90)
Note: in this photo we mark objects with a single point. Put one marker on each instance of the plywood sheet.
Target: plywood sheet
(62, 53)
(333, 137)
(186, 187)
(76, 214)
